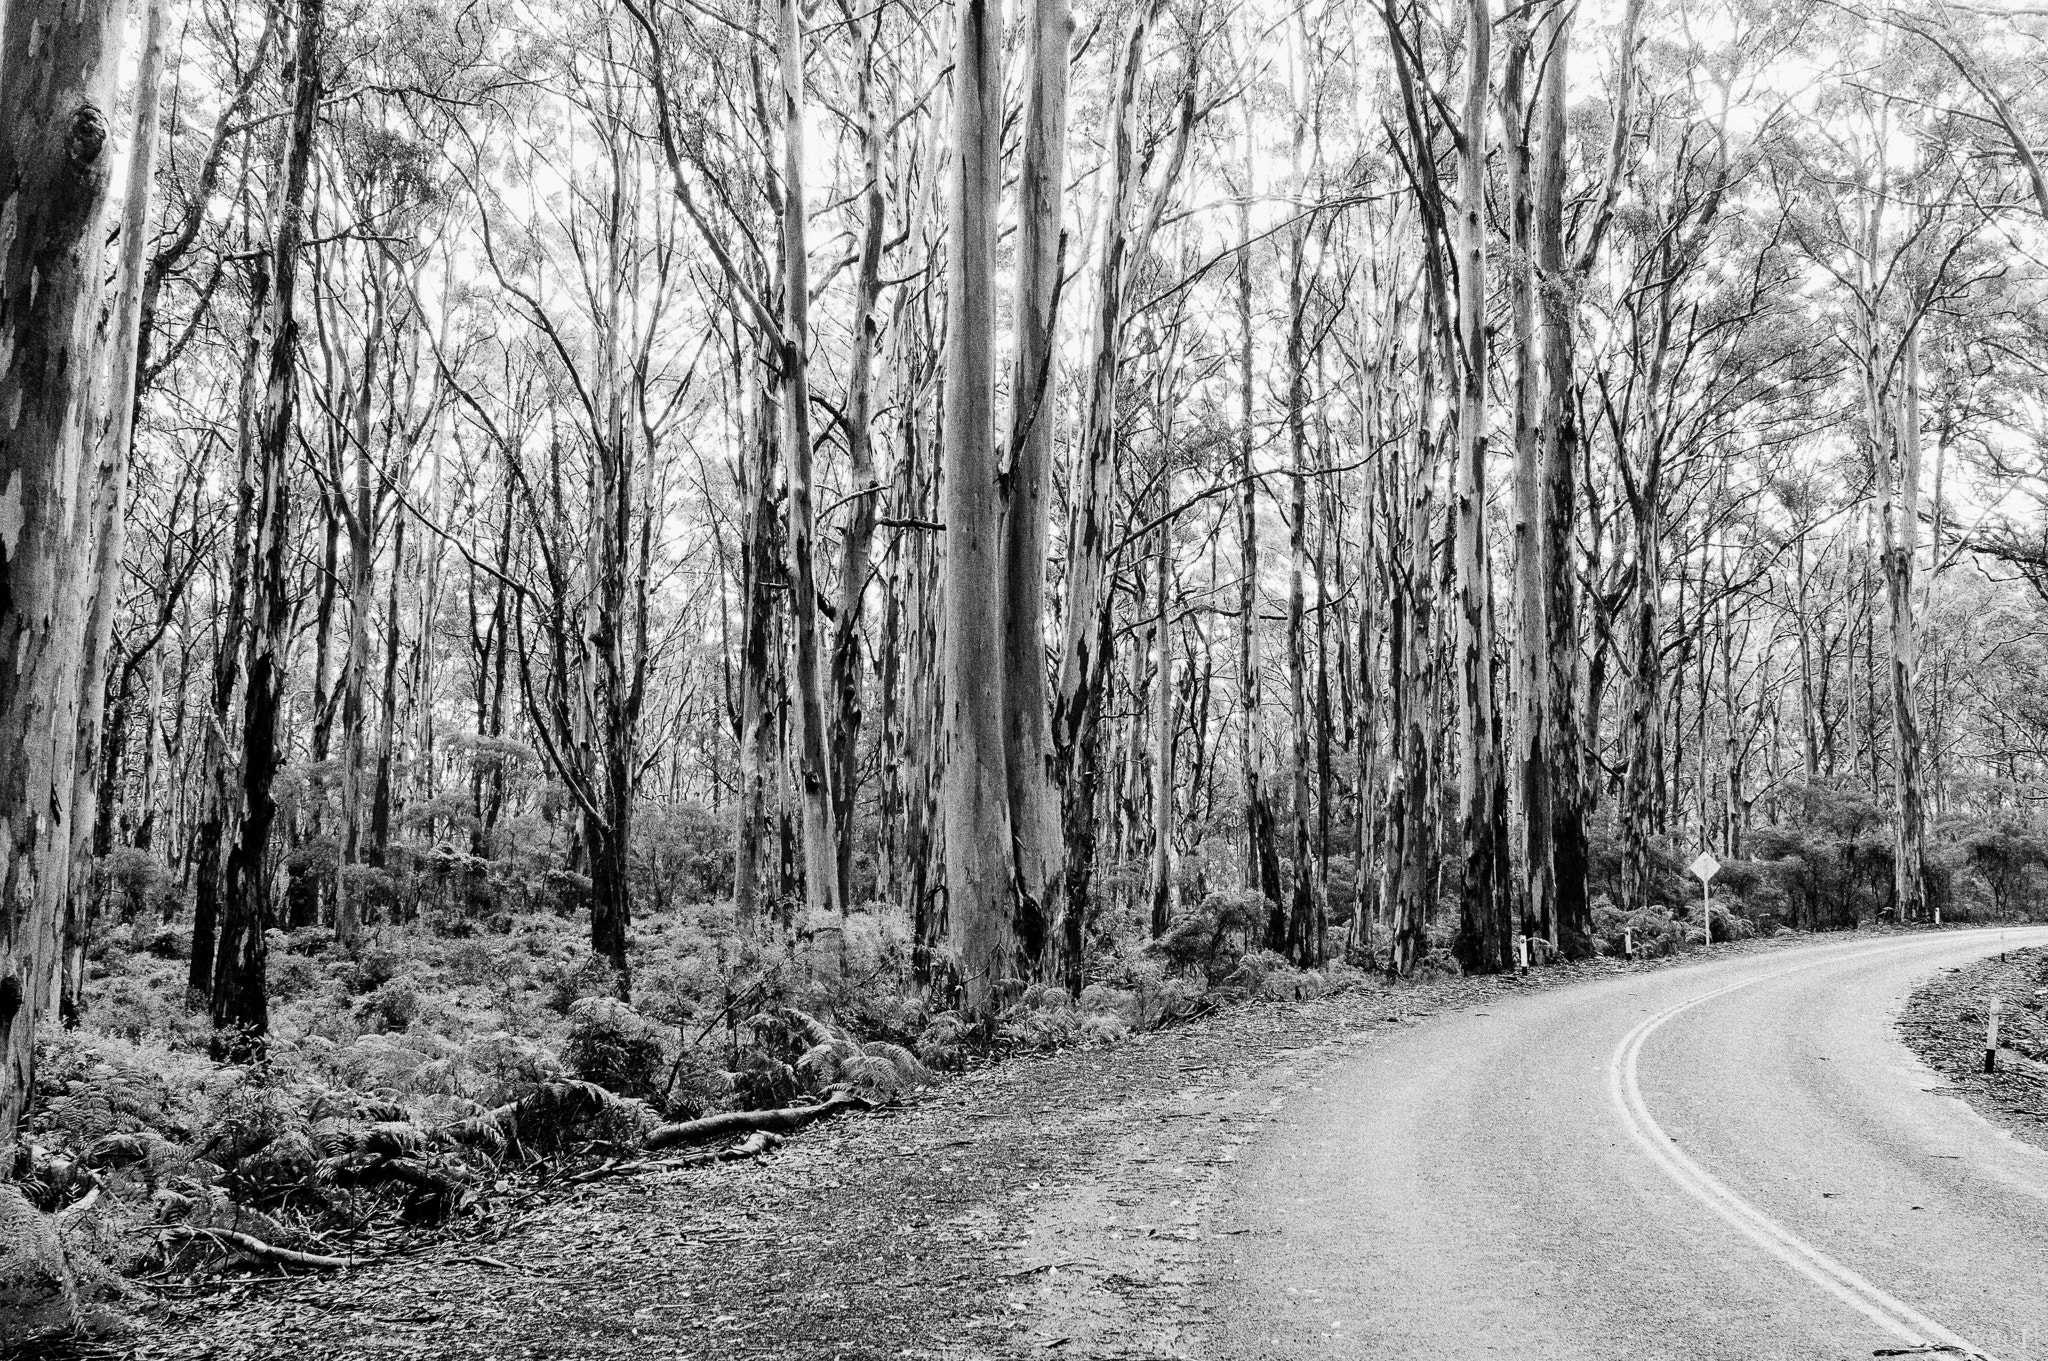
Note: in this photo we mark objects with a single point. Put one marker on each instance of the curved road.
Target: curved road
(1736, 1159)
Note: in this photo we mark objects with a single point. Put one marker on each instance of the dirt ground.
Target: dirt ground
(1944, 1023)
(1051, 1206)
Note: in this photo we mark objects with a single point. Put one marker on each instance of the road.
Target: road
(1735, 1159)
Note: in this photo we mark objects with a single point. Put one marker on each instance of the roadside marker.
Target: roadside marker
(1706, 867)
(1991, 1038)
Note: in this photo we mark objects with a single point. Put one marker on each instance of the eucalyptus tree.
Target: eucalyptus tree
(59, 65)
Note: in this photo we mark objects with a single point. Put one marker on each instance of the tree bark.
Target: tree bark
(980, 863)
(1028, 753)
(241, 1008)
(813, 764)
(58, 67)
(758, 559)
(1485, 924)
(1162, 886)
(109, 516)
(1085, 644)
(1302, 942)
(1899, 482)
(1531, 682)
(861, 512)
(1262, 856)
(1558, 460)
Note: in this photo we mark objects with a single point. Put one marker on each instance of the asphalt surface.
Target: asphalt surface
(1737, 1159)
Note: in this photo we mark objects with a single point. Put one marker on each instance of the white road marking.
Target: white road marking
(1894, 1315)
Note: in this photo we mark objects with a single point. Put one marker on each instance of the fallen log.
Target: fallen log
(256, 1247)
(783, 1121)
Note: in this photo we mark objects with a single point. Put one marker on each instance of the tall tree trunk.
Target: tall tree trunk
(381, 792)
(861, 513)
(1485, 924)
(1302, 940)
(361, 519)
(813, 767)
(980, 861)
(1411, 827)
(1559, 456)
(1643, 736)
(241, 1008)
(1085, 644)
(1899, 481)
(1162, 734)
(1028, 754)
(219, 815)
(758, 558)
(1530, 682)
(91, 837)
(58, 69)
(1262, 856)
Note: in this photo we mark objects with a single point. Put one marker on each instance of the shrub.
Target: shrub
(478, 962)
(394, 1006)
(1651, 930)
(372, 967)
(1211, 940)
(616, 1047)
(292, 976)
(131, 1009)
(511, 1065)
(139, 883)
(591, 976)
(695, 1084)
(164, 942)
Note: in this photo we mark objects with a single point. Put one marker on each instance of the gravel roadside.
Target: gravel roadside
(1943, 1023)
(1043, 1206)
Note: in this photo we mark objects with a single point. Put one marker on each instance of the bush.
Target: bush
(131, 1009)
(1211, 940)
(1651, 930)
(292, 976)
(616, 1047)
(373, 967)
(477, 962)
(139, 883)
(394, 1006)
(164, 942)
(511, 1065)
(591, 976)
(694, 1085)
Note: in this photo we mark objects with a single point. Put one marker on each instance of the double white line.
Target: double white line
(1894, 1315)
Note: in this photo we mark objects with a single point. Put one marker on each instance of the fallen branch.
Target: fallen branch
(783, 1121)
(256, 1247)
(753, 1146)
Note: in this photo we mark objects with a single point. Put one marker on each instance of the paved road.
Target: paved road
(1731, 1160)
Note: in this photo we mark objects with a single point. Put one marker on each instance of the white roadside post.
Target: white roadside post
(1706, 867)
(1991, 1038)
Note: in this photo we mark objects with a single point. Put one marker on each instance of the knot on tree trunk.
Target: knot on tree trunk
(88, 135)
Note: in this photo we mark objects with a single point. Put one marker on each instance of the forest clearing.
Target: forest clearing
(606, 607)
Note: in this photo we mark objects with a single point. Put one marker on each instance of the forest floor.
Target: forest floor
(1944, 1021)
(1042, 1206)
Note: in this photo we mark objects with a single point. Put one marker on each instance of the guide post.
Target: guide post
(1706, 867)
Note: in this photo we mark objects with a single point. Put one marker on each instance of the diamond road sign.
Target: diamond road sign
(1706, 867)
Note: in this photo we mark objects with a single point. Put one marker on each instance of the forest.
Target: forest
(647, 560)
